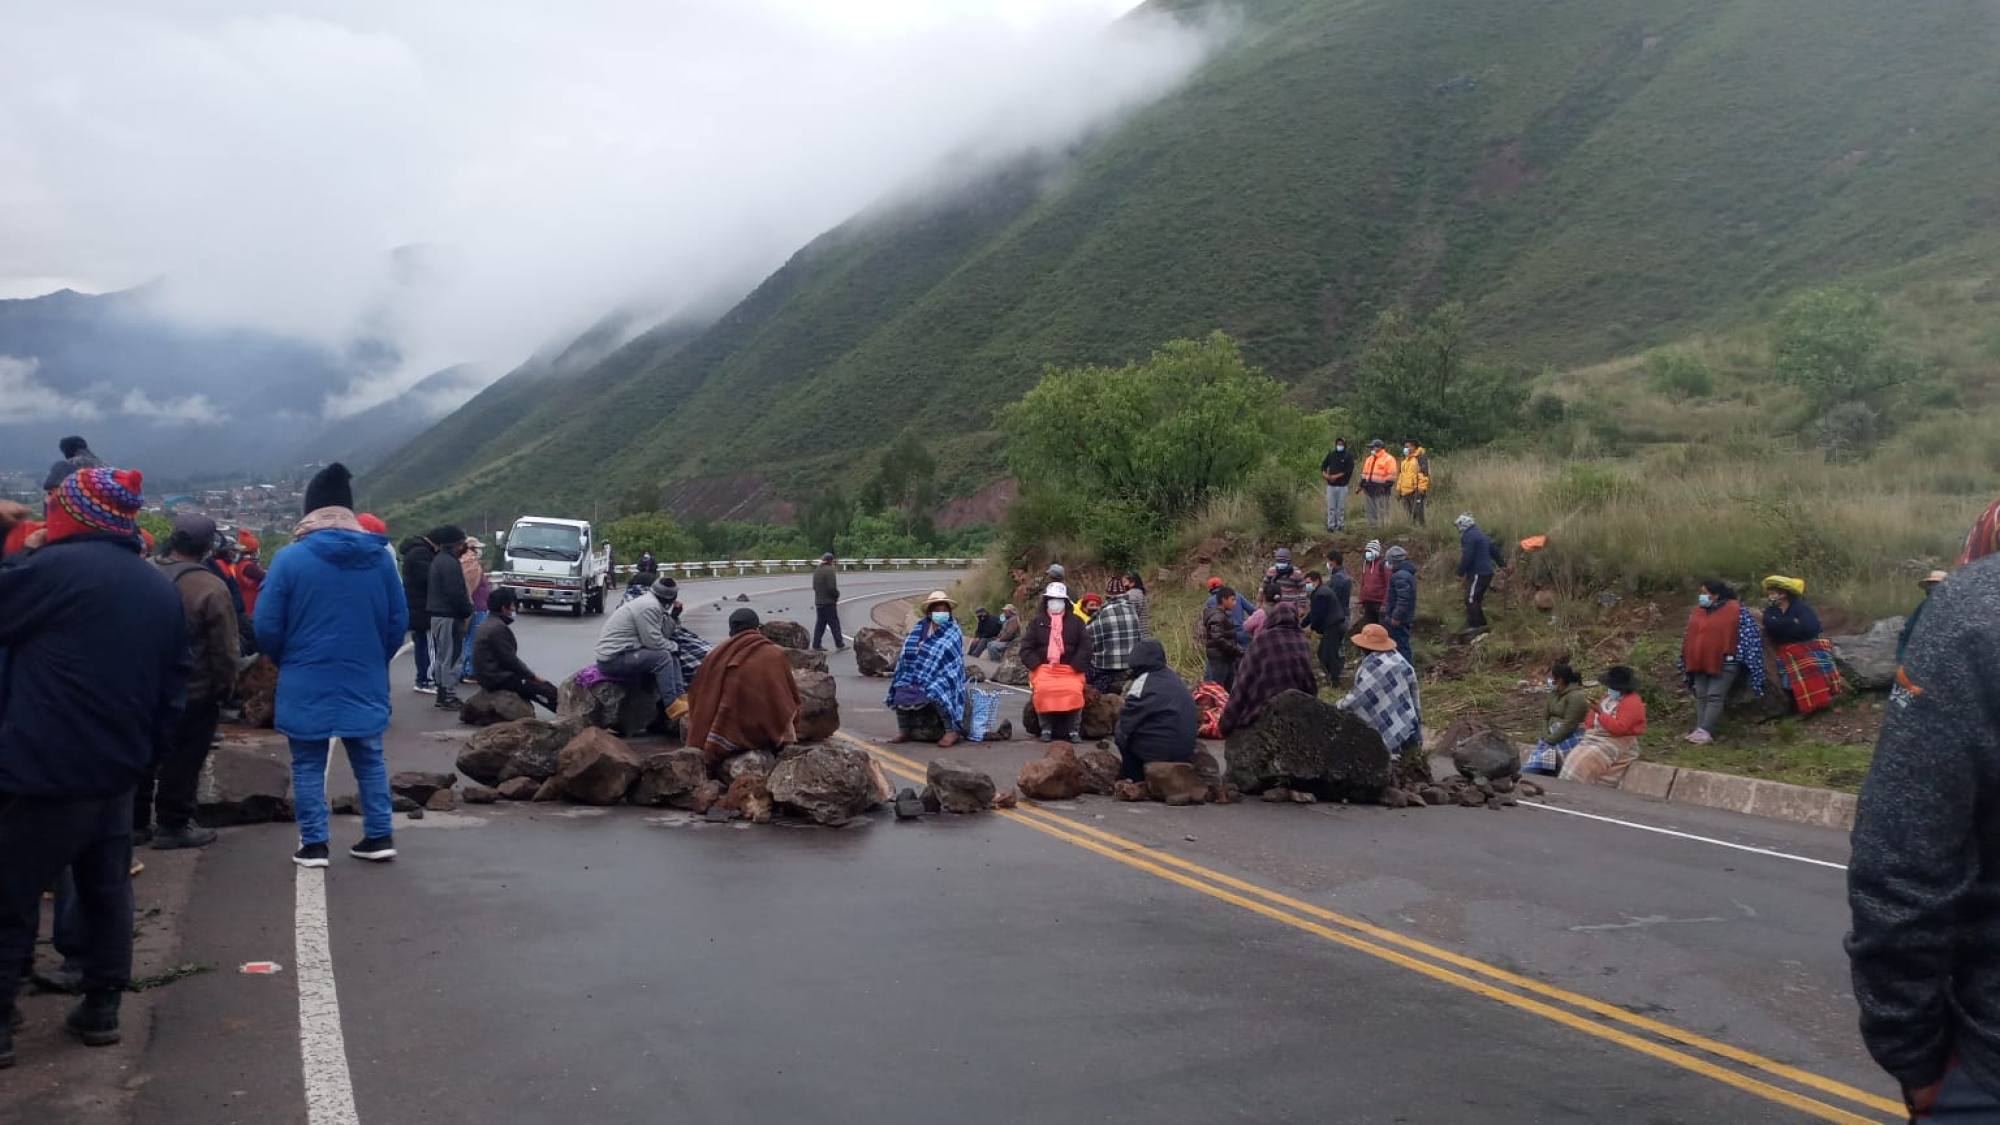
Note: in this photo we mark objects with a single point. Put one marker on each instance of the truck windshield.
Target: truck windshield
(544, 540)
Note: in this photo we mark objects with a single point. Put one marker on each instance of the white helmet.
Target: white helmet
(1056, 590)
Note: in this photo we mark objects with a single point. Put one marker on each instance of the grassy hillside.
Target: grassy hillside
(1589, 176)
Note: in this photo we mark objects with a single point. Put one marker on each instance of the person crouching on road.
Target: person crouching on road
(449, 602)
(95, 641)
(496, 656)
(1158, 722)
(169, 787)
(1562, 721)
(1806, 668)
(1056, 652)
(745, 698)
(927, 689)
(636, 643)
(331, 616)
(1385, 693)
(1611, 732)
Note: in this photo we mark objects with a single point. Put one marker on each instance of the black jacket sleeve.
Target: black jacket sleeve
(448, 595)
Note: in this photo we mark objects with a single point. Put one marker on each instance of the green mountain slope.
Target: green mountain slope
(1588, 175)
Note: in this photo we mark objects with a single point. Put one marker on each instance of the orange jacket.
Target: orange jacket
(1379, 468)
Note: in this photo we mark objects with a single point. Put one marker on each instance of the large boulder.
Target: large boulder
(485, 708)
(749, 798)
(517, 789)
(819, 709)
(1100, 770)
(959, 787)
(828, 784)
(806, 660)
(245, 784)
(749, 763)
(670, 776)
(925, 726)
(258, 688)
(418, 785)
(1867, 661)
(1301, 744)
(1010, 670)
(1055, 776)
(1175, 783)
(596, 768)
(786, 634)
(1486, 753)
(626, 709)
(876, 651)
(522, 748)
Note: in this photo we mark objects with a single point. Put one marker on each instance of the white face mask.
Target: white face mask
(1055, 605)
(1370, 556)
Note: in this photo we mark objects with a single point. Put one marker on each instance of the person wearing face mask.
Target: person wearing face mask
(1399, 614)
(1721, 645)
(496, 657)
(1374, 583)
(1337, 469)
(745, 697)
(1806, 668)
(1611, 731)
(1056, 651)
(1413, 479)
(1329, 599)
(1562, 721)
(927, 689)
(1289, 582)
(1378, 480)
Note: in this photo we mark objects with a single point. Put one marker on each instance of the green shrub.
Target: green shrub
(1275, 492)
(1545, 409)
(1679, 375)
(1832, 344)
(1586, 487)
(1416, 381)
(1849, 431)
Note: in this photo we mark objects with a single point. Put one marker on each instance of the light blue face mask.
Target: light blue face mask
(941, 616)
(1706, 600)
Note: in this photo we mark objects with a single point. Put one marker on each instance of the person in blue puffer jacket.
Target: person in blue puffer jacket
(331, 616)
(1400, 612)
(1478, 558)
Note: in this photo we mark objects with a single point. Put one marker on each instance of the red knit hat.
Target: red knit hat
(369, 521)
(96, 500)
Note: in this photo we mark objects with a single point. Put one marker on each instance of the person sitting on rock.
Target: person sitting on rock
(635, 644)
(1158, 720)
(927, 689)
(1056, 652)
(496, 659)
(1009, 635)
(1806, 668)
(1611, 732)
(1385, 692)
(1279, 660)
(984, 633)
(1562, 718)
(745, 698)
(1113, 632)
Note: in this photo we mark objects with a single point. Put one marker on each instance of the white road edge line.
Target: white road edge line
(322, 1048)
(1687, 836)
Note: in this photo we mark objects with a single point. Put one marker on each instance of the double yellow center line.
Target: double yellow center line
(1596, 1018)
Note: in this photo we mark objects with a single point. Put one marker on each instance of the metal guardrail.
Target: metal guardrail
(718, 568)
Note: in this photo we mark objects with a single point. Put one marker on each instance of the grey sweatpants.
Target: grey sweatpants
(1336, 507)
(1378, 507)
(445, 654)
(1711, 694)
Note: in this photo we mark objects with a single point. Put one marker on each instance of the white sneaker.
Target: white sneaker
(425, 689)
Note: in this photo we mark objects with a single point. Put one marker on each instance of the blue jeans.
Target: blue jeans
(478, 615)
(371, 776)
(1401, 635)
(420, 638)
(1959, 1099)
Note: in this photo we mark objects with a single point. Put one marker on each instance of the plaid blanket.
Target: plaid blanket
(689, 649)
(1385, 695)
(934, 660)
(1280, 659)
(1113, 632)
(1806, 669)
(1209, 700)
(1547, 757)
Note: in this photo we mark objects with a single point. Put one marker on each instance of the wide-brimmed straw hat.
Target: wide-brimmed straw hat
(1933, 578)
(937, 597)
(1374, 638)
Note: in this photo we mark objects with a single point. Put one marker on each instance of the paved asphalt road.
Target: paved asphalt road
(1095, 962)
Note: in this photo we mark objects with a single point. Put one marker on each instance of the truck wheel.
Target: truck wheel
(576, 609)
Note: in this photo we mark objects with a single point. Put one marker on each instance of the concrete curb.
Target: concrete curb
(1774, 800)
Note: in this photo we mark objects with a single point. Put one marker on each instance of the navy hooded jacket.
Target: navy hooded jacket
(96, 669)
(331, 615)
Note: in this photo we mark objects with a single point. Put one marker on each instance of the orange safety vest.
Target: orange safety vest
(1379, 468)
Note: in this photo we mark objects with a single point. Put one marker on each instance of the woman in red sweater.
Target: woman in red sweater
(1610, 732)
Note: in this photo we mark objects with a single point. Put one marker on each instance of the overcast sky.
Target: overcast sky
(554, 160)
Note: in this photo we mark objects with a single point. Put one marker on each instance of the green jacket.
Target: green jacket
(1564, 712)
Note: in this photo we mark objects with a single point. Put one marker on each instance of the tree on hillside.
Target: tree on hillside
(904, 487)
(651, 531)
(1833, 344)
(1415, 380)
(1122, 453)
(826, 517)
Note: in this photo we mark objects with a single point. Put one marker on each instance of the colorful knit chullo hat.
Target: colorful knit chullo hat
(96, 500)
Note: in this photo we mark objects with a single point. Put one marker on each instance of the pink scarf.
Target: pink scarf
(1055, 637)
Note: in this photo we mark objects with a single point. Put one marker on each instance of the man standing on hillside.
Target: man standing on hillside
(826, 603)
(1378, 479)
(1337, 468)
(212, 631)
(1477, 558)
(449, 604)
(96, 643)
(1413, 479)
(1328, 616)
(1401, 612)
(1925, 946)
